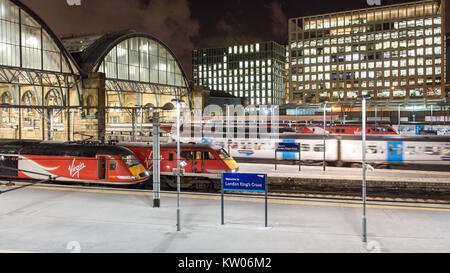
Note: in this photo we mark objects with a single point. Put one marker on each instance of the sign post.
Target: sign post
(289, 147)
(244, 182)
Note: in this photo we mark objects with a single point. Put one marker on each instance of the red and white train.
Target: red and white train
(204, 163)
(69, 162)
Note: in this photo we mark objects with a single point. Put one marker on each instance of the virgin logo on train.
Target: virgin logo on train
(75, 170)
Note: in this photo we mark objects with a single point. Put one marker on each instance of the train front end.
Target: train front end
(228, 160)
(136, 169)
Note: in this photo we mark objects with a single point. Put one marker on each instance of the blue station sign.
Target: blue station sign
(288, 147)
(244, 182)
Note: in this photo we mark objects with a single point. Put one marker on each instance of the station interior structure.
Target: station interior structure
(69, 89)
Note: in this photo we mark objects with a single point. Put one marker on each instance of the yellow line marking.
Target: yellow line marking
(244, 199)
(13, 251)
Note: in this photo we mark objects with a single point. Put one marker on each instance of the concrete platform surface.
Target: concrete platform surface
(69, 219)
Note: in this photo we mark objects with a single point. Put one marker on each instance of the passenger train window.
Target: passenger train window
(432, 150)
(306, 148)
(170, 157)
(198, 155)
(112, 164)
(412, 150)
(186, 155)
(372, 149)
(446, 150)
(208, 156)
(318, 148)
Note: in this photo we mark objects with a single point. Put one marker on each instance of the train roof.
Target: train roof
(343, 137)
(398, 138)
(171, 145)
(37, 147)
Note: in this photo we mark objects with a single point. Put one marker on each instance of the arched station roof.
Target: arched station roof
(27, 42)
(129, 56)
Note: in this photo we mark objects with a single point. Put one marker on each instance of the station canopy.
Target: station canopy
(132, 62)
(30, 53)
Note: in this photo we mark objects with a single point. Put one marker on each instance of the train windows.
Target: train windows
(446, 150)
(432, 150)
(198, 155)
(412, 150)
(372, 149)
(319, 148)
(130, 160)
(112, 164)
(223, 154)
(209, 156)
(186, 155)
(305, 148)
(170, 157)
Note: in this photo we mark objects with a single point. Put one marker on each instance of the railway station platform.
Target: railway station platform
(380, 182)
(63, 219)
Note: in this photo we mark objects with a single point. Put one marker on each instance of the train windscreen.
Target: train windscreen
(223, 154)
(130, 160)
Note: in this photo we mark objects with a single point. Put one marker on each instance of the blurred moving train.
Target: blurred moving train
(292, 128)
(69, 162)
(204, 163)
(382, 151)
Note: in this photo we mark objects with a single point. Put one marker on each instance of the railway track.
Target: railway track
(275, 194)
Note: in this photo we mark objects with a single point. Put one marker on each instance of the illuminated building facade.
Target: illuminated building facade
(390, 53)
(255, 72)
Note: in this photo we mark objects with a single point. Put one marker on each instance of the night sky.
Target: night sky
(185, 25)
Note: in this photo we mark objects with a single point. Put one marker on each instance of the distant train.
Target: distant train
(340, 150)
(69, 162)
(344, 130)
(205, 163)
(292, 128)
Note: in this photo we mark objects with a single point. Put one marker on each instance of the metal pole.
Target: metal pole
(299, 157)
(364, 218)
(73, 124)
(142, 125)
(432, 117)
(266, 215)
(222, 202)
(229, 129)
(399, 117)
(376, 115)
(324, 134)
(178, 166)
(156, 162)
(276, 158)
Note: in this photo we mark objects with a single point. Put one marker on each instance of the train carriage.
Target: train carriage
(387, 150)
(69, 162)
(205, 163)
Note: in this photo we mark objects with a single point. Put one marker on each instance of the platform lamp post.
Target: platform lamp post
(324, 134)
(364, 168)
(178, 105)
(364, 217)
(156, 150)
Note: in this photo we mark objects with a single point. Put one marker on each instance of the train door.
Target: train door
(395, 152)
(102, 167)
(188, 157)
(198, 162)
